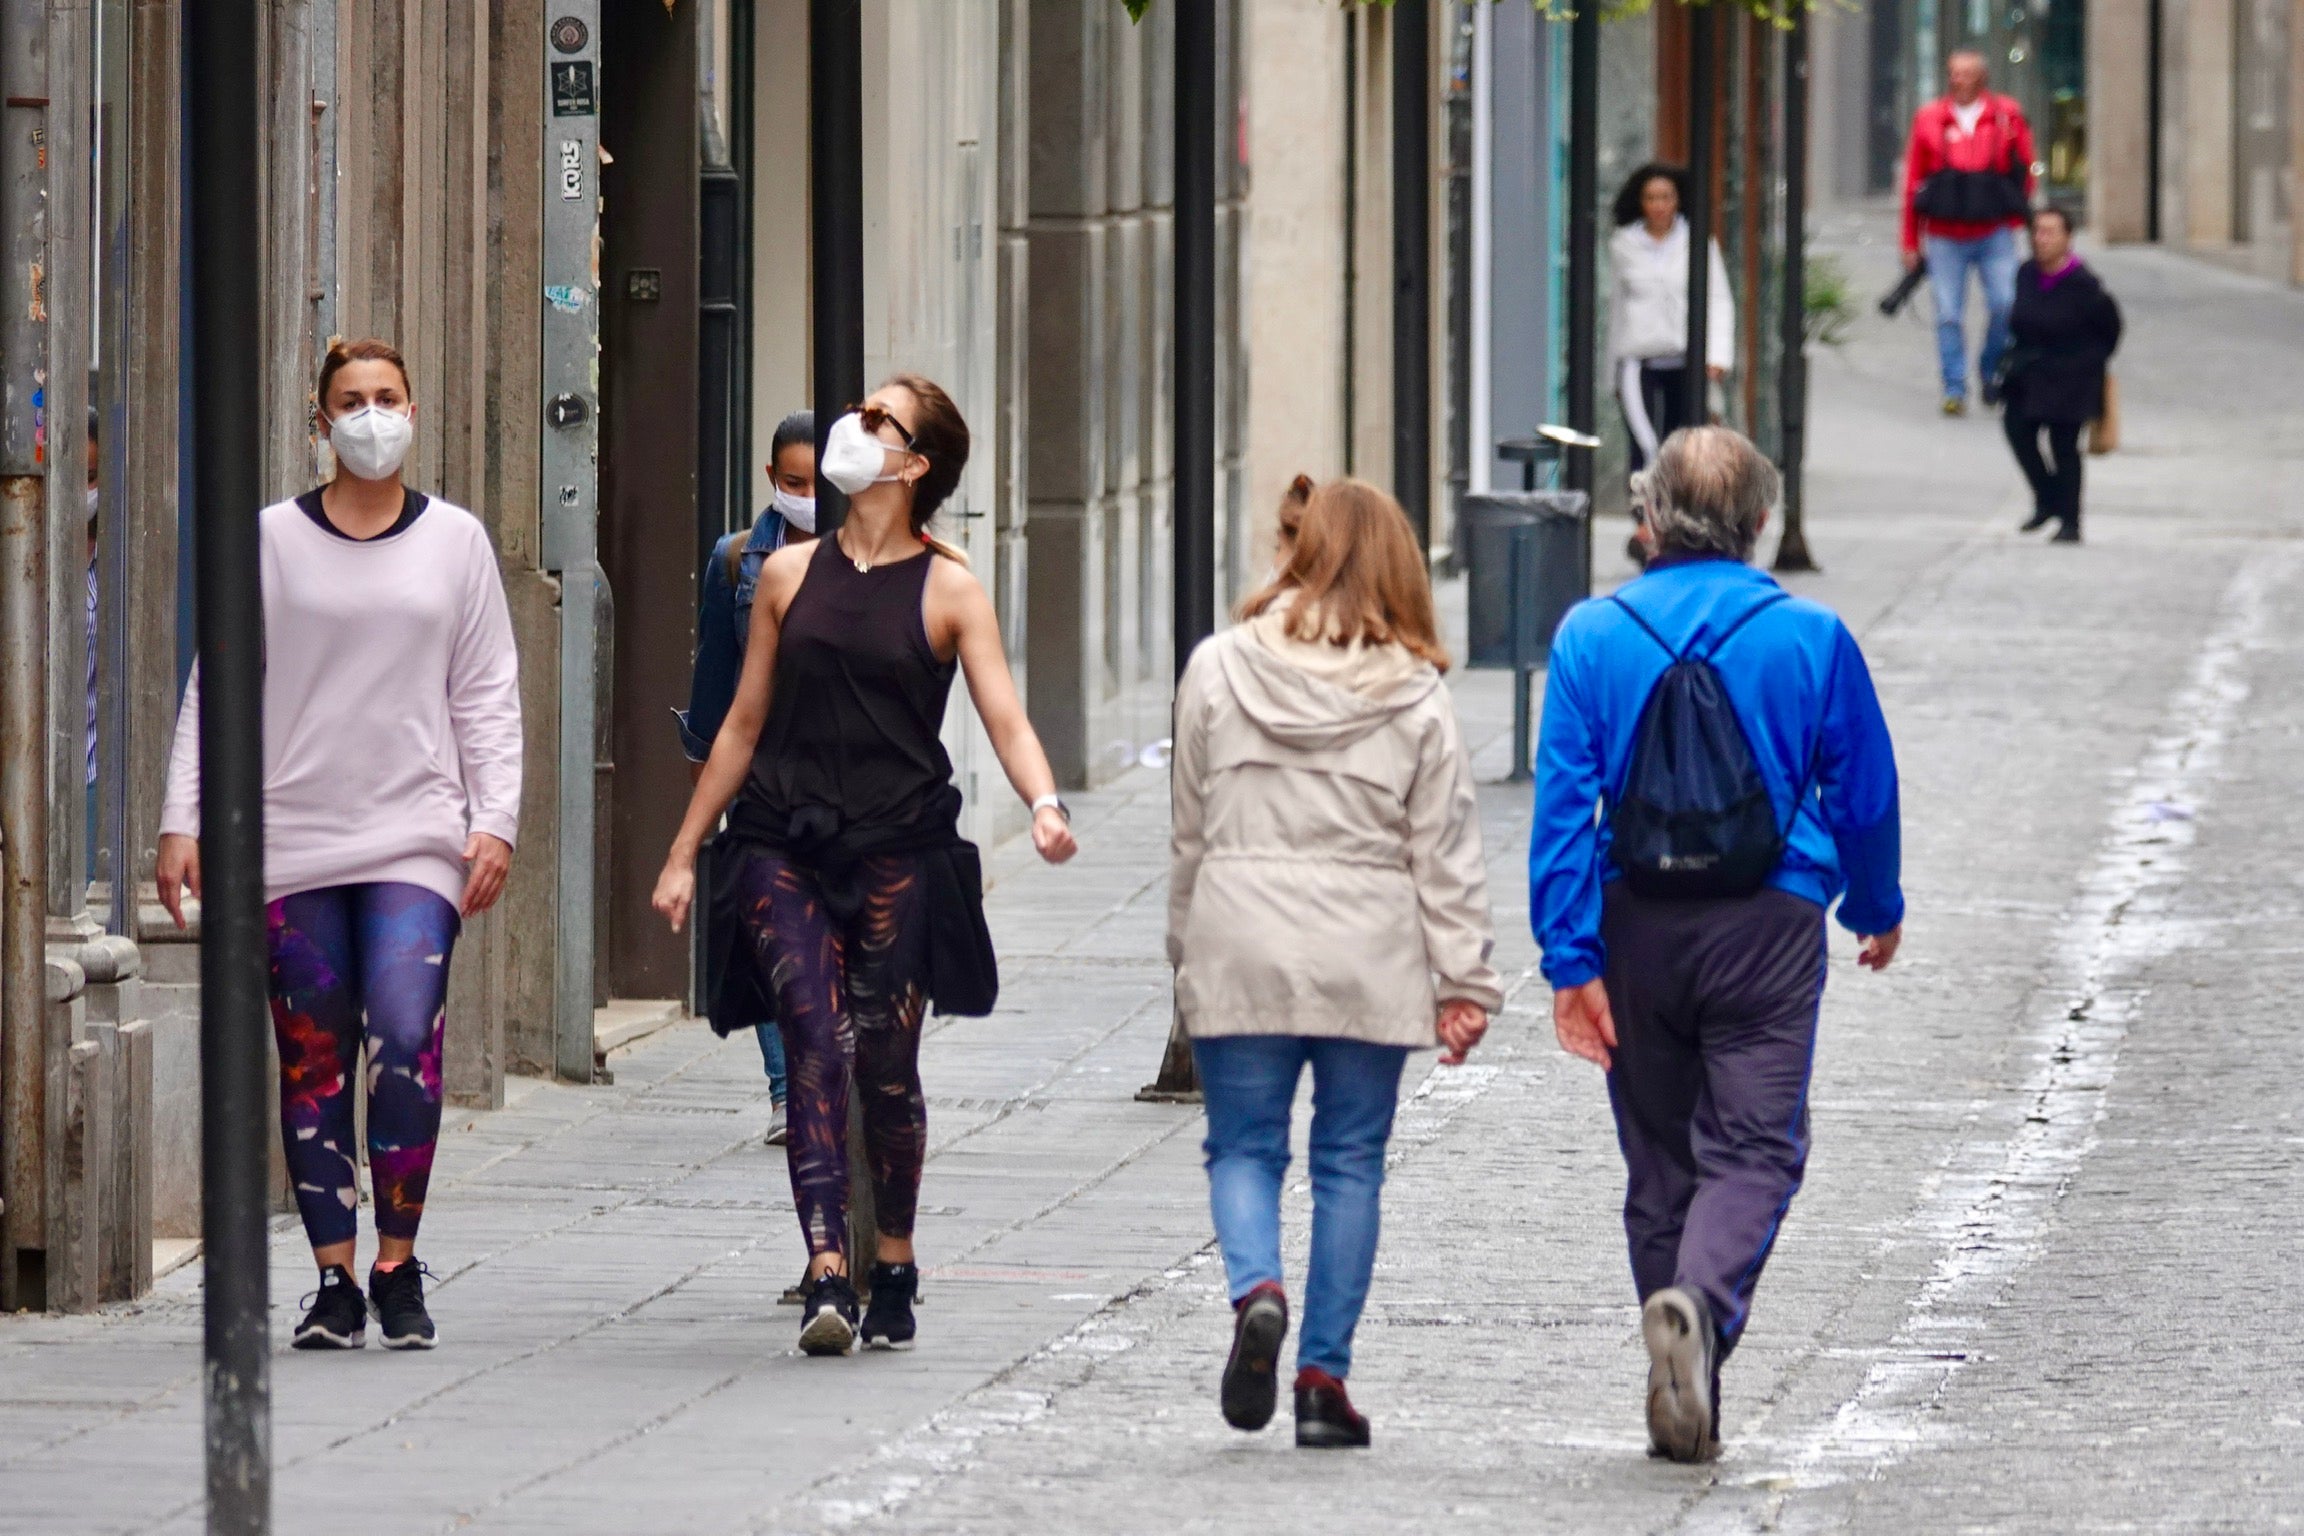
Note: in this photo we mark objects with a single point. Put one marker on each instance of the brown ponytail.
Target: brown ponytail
(940, 436)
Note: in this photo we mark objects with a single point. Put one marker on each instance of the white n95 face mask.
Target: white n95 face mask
(853, 457)
(372, 442)
(799, 511)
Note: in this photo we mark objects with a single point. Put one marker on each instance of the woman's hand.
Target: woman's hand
(1052, 835)
(1716, 371)
(1461, 1026)
(1582, 1020)
(179, 871)
(675, 889)
(489, 859)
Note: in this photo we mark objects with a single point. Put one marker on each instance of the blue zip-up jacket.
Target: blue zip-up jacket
(723, 624)
(1804, 697)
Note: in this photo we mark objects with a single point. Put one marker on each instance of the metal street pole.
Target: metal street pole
(836, 193)
(1792, 551)
(1583, 252)
(1702, 72)
(224, 217)
(1195, 424)
(1412, 264)
(1194, 554)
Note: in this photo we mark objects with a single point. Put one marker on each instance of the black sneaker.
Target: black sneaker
(1683, 1376)
(398, 1296)
(888, 1320)
(1251, 1385)
(2041, 517)
(828, 1326)
(1325, 1417)
(336, 1315)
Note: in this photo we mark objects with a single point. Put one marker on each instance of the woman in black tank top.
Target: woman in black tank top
(845, 879)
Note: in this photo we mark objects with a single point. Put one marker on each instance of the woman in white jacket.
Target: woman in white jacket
(1328, 907)
(1648, 341)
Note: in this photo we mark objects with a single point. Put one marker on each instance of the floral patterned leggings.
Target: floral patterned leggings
(354, 963)
(850, 997)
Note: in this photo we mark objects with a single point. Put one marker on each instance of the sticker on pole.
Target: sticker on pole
(572, 89)
(569, 34)
(571, 170)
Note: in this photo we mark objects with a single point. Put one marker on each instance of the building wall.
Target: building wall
(1098, 375)
(2229, 126)
(1293, 256)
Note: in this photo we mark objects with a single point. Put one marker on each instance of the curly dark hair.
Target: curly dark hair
(1626, 209)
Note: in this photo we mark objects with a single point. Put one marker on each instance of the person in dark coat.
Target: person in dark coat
(2064, 328)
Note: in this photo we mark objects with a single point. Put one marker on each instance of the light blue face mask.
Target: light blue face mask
(799, 511)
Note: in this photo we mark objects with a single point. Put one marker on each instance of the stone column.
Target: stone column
(2119, 119)
(2205, 146)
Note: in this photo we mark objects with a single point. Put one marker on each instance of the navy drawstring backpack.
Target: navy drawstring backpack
(1692, 817)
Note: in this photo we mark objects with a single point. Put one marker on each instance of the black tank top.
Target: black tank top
(856, 715)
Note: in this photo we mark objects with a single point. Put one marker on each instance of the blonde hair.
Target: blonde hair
(1352, 573)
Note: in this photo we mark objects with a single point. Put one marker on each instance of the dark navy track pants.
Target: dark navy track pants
(1715, 1004)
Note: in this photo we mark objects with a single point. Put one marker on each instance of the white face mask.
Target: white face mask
(372, 442)
(853, 457)
(799, 511)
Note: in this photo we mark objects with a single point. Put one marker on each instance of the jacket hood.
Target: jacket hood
(1317, 697)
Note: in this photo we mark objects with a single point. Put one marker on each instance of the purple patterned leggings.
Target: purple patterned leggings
(354, 963)
(850, 998)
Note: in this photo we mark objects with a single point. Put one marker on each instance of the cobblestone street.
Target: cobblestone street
(2043, 1276)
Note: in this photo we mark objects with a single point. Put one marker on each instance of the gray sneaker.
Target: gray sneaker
(1683, 1376)
(776, 1128)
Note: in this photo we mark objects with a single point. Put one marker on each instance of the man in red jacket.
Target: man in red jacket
(1967, 190)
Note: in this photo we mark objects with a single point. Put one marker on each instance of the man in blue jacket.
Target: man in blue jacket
(1702, 1011)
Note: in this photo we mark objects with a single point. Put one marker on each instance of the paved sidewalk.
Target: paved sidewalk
(2041, 1278)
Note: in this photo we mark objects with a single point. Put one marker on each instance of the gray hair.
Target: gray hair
(1707, 493)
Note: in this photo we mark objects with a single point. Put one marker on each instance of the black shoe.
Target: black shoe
(2069, 533)
(888, 1320)
(1991, 395)
(338, 1314)
(1683, 1376)
(1251, 1385)
(1325, 1418)
(2039, 519)
(398, 1296)
(828, 1326)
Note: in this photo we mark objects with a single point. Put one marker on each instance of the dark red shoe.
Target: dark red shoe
(1251, 1382)
(1325, 1417)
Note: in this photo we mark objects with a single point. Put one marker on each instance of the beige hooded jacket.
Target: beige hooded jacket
(1328, 877)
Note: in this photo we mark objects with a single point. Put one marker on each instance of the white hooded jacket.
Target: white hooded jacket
(1328, 878)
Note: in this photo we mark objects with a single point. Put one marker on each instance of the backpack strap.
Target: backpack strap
(1645, 626)
(1749, 614)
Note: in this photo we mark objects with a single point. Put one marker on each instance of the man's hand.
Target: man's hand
(1911, 261)
(1580, 1017)
(488, 859)
(1880, 948)
(178, 872)
(1461, 1026)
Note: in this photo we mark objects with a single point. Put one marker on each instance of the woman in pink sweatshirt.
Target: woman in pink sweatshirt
(391, 798)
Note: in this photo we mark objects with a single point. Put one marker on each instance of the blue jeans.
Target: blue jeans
(1993, 259)
(772, 1057)
(1248, 1083)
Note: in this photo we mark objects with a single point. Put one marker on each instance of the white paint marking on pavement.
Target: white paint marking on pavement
(1992, 1204)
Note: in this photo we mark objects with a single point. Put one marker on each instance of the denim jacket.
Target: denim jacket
(723, 625)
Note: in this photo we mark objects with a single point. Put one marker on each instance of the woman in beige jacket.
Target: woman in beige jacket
(1327, 906)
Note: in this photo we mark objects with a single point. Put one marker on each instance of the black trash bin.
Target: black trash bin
(1524, 559)
(1523, 552)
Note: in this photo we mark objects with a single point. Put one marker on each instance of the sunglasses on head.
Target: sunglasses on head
(875, 417)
